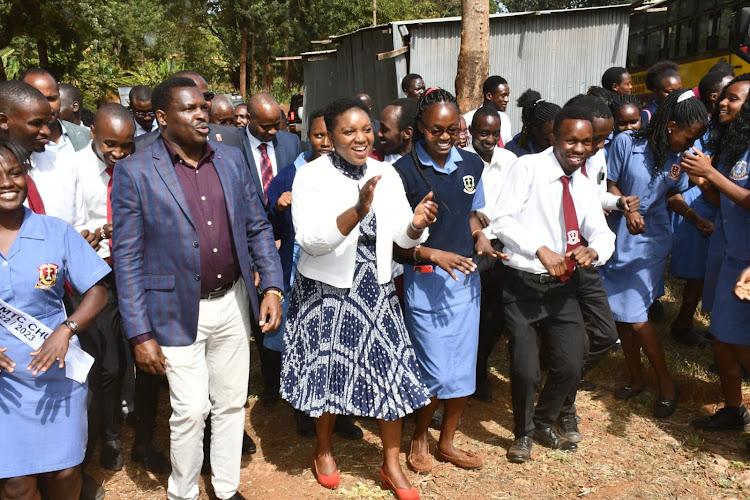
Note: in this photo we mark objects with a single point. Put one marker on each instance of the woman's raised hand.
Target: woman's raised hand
(426, 212)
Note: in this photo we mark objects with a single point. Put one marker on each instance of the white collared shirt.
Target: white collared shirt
(506, 134)
(493, 177)
(59, 186)
(254, 143)
(64, 145)
(141, 131)
(596, 168)
(92, 173)
(529, 213)
(392, 158)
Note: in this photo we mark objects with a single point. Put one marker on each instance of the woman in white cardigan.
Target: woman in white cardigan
(346, 349)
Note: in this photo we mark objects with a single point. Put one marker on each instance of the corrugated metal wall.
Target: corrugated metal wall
(352, 69)
(559, 54)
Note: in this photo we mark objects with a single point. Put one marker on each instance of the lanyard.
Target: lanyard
(33, 333)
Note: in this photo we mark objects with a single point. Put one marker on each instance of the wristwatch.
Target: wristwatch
(620, 203)
(72, 325)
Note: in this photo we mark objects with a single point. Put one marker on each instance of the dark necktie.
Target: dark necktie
(583, 170)
(111, 172)
(572, 234)
(266, 170)
(36, 204)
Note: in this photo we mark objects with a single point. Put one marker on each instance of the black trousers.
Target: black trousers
(104, 340)
(554, 307)
(597, 316)
(491, 322)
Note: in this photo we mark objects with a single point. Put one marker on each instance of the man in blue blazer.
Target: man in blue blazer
(267, 150)
(188, 234)
(264, 142)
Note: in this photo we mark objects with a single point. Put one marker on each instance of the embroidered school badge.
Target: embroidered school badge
(469, 186)
(47, 276)
(674, 172)
(573, 237)
(739, 171)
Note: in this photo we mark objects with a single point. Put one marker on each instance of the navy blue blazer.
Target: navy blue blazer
(286, 147)
(156, 249)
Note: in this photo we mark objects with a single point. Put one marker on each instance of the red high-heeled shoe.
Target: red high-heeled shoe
(330, 482)
(401, 493)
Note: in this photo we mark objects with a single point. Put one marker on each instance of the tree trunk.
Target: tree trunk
(41, 47)
(374, 12)
(266, 69)
(243, 62)
(474, 57)
(3, 75)
(253, 75)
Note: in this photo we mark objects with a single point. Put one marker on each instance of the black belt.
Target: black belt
(543, 278)
(218, 293)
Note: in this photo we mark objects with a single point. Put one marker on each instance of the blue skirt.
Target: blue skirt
(689, 246)
(714, 257)
(730, 319)
(442, 316)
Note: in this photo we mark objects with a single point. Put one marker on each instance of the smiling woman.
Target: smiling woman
(39, 255)
(345, 335)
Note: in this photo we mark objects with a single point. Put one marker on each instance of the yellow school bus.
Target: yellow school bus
(696, 34)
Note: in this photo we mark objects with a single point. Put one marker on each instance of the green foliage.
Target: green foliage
(99, 45)
(534, 5)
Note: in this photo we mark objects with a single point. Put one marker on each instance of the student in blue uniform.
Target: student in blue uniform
(617, 80)
(647, 164)
(690, 246)
(626, 109)
(43, 425)
(537, 116)
(442, 287)
(730, 316)
(661, 79)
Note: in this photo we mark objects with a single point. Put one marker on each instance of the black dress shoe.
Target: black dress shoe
(248, 445)
(550, 439)
(520, 451)
(666, 407)
(729, 418)
(567, 427)
(111, 457)
(628, 391)
(237, 496)
(91, 489)
(586, 385)
(305, 424)
(346, 429)
(152, 460)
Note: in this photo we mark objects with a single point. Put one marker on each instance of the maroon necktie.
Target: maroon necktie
(266, 170)
(36, 204)
(572, 234)
(583, 171)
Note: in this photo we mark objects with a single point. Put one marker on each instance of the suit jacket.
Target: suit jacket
(79, 136)
(229, 136)
(156, 254)
(286, 147)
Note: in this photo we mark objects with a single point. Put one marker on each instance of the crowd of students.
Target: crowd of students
(376, 270)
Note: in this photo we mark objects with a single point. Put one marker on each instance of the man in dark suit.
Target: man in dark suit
(267, 148)
(185, 250)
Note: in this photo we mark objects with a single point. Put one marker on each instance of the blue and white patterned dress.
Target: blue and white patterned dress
(346, 350)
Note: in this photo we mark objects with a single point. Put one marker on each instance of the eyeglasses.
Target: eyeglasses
(143, 114)
(208, 96)
(437, 132)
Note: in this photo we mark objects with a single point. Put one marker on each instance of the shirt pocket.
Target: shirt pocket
(163, 282)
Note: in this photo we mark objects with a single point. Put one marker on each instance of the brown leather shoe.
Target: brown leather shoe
(421, 463)
(465, 459)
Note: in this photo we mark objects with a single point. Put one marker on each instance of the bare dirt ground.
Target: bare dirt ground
(625, 453)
